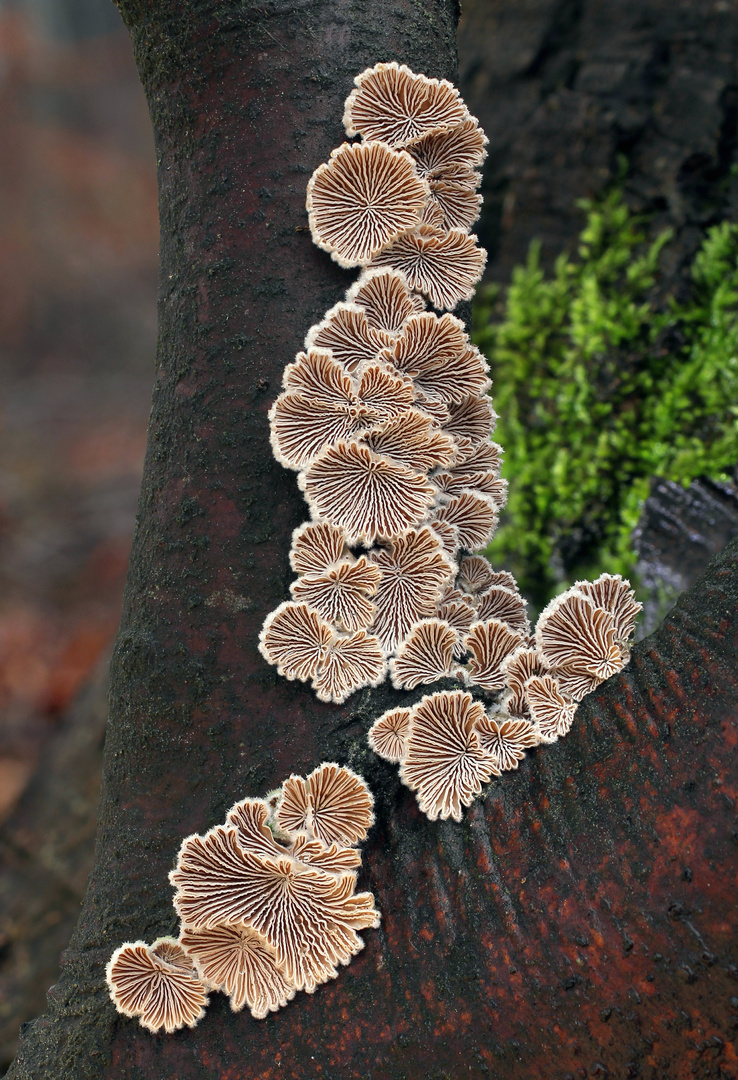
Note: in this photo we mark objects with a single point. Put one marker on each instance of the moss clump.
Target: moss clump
(599, 387)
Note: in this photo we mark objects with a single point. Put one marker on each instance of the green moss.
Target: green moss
(599, 387)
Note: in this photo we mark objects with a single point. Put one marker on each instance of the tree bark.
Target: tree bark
(578, 921)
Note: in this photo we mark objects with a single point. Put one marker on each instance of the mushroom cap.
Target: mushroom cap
(386, 298)
(332, 805)
(443, 266)
(575, 684)
(383, 392)
(319, 377)
(453, 202)
(239, 961)
(361, 199)
(572, 632)
(551, 711)
(333, 859)
(506, 739)
(316, 546)
(489, 643)
(482, 457)
(425, 655)
(295, 639)
(444, 762)
(612, 592)
(309, 917)
(521, 665)
(475, 517)
(388, 734)
(368, 495)
(471, 422)
(436, 354)
(393, 104)
(441, 153)
(340, 594)
(460, 615)
(249, 818)
(347, 333)
(156, 983)
(412, 439)
(351, 662)
(293, 808)
(414, 570)
(476, 574)
(507, 605)
(448, 536)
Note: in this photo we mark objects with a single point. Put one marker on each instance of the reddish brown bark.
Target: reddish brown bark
(578, 922)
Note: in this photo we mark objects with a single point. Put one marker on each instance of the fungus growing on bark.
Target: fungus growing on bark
(424, 656)
(459, 614)
(308, 917)
(453, 203)
(385, 297)
(239, 962)
(346, 333)
(334, 858)
(332, 805)
(156, 983)
(443, 266)
(435, 353)
(474, 516)
(395, 106)
(361, 199)
(475, 574)
(507, 605)
(440, 154)
(448, 536)
(249, 818)
(575, 683)
(412, 439)
(444, 762)
(506, 739)
(388, 734)
(384, 393)
(367, 495)
(414, 570)
(573, 633)
(471, 422)
(316, 546)
(489, 643)
(295, 639)
(615, 595)
(341, 595)
(552, 713)
(517, 668)
(350, 662)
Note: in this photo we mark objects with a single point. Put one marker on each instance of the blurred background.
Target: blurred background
(630, 105)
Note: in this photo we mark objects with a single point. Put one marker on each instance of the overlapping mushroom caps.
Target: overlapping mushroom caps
(267, 903)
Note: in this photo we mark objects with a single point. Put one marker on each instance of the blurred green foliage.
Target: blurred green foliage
(600, 386)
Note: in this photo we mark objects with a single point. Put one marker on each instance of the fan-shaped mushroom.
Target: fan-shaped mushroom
(367, 495)
(476, 574)
(414, 569)
(456, 201)
(316, 546)
(412, 439)
(340, 594)
(551, 711)
(157, 983)
(507, 605)
(388, 734)
(471, 422)
(393, 104)
(295, 639)
(334, 858)
(346, 332)
(473, 515)
(572, 632)
(249, 818)
(441, 153)
(436, 354)
(506, 739)
(489, 643)
(425, 655)
(386, 298)
(444, 762)
(444, 266)
(350, 663)
(309, 917)
(614, 594)
(517, 668)
(239, 962)
(460, 615)
(333, 805)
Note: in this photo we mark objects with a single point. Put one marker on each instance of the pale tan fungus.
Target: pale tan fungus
(475, 573)
(612, 592)
(346, 333)
(249, 818)
(574, 683)
(412, 439)
(448, 535)
(308, 916)
(342, 804)
(425, 655)
(394, 105)
(457, 202)
(474, 516)
(459, 615)
(333, 859)
(160, 988)
(361, 199)
(436, 354)
(316, 546)
(295, 639)
(239, 962)
(388, 734)
(414, 570)
(440, 154)
(367, 495)
(551, 711)
(386, 298)
(351, 662)
(572, 632)
(471, 422)
(507, 605)
(506, 739)
(489, 643)
(384, 393)
(443, 266)
(294, 811)
(444, 762)
(483, 484)
(341, 594)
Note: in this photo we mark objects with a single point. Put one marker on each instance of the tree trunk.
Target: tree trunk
(578, 921)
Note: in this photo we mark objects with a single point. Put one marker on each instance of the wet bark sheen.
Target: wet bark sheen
(578, 922)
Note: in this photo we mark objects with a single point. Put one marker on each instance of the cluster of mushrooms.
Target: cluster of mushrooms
(387, 420)
(267, 903)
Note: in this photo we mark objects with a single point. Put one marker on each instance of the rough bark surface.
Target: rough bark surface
(579, 921)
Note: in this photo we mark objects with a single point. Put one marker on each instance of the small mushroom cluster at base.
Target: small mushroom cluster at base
(385, 416)
(267, 903)
(449, 744)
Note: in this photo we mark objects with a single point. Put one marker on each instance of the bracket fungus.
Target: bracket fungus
(267, 908)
